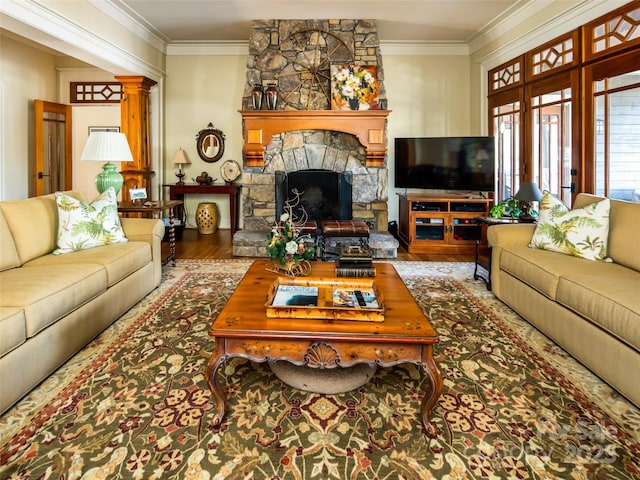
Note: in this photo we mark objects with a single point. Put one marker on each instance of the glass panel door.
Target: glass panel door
(616, 126)
(551, 143)
(506, 128)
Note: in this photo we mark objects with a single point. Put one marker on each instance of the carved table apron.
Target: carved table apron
(243, 330)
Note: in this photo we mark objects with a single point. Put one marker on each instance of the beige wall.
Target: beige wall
(200, 90)
(26, 74)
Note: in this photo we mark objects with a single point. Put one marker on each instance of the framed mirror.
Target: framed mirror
(210, 144)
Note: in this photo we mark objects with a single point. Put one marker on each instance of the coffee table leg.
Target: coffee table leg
(215, 361)
(433, 393)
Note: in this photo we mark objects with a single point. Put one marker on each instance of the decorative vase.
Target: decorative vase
(354, 103)
(256, 96)
(271, 95)
(207, 218)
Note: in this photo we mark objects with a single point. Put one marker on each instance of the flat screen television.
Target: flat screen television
(445, 163)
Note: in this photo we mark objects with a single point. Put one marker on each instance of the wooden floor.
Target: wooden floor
(219, 245)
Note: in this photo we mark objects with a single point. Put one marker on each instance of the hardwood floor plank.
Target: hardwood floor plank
(219, 245)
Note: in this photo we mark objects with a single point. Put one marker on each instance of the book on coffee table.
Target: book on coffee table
(325, 298)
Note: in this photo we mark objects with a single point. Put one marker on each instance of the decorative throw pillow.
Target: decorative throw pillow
(82, 225)
(582, 232)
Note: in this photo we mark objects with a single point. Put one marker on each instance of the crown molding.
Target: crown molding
(33, 20)
(207, 48)
(570, 19)
(387, 48)
(129, 19)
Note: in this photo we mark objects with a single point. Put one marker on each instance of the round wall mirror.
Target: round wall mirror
(210, 144)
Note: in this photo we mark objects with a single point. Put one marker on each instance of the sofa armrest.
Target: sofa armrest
(150, 230)
(511, 235)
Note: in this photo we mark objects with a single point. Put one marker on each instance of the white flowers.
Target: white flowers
(291, 247)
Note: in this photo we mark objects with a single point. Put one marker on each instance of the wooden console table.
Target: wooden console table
(177, 192)
(243, 330)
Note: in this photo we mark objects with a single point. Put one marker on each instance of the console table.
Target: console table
(177, 192)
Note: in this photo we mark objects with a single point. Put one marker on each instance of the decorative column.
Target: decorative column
(134, 123)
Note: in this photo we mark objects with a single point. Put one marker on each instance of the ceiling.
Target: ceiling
(449, 21)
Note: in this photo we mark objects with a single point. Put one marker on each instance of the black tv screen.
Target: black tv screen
(445, 163)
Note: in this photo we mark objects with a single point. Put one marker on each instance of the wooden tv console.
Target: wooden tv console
(439, 223)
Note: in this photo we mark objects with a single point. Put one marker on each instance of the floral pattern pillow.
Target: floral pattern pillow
(82, 225)
(582, 232)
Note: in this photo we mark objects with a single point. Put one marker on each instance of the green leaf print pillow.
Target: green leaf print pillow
(82, 225)
(582, 232)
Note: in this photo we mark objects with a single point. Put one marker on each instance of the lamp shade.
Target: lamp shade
(107, 147)
(180, 158)
(528, 192)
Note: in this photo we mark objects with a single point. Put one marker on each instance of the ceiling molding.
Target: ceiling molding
(208, 48)
(32, 20)
(129, 19)
(386, 48)
(517, 14)
(568, 20)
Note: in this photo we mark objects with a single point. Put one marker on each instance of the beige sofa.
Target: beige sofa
(52, 305)
(591, 309)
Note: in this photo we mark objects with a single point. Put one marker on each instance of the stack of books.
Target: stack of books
(355, 261)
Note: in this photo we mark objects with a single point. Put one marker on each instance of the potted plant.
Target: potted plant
(507, 208)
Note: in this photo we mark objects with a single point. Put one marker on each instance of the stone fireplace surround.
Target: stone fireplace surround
(319, 139)
(313, 149)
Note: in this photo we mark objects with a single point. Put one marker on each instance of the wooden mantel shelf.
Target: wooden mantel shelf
(369, 126)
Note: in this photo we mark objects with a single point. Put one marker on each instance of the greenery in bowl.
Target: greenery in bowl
(509, 208)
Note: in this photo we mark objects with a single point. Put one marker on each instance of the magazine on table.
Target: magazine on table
(354, 298)
(295, 296)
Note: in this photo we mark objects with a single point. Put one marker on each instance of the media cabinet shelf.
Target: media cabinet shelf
(435, 224)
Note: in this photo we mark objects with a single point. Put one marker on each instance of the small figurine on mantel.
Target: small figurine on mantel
(204, 179)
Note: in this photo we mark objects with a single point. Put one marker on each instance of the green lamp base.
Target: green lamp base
(109, 178)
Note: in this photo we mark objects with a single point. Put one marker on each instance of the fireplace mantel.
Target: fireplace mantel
(369, 126)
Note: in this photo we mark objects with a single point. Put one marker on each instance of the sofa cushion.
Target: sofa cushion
(120, 259)
(610, 299)
(13, 328)
(82, 225)
(48, 294)
(582, 232)
(623, 226)
(541, 269)
(8, 253)
(34, 224)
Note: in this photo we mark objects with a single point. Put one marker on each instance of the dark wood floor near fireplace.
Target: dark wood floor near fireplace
(219, 245)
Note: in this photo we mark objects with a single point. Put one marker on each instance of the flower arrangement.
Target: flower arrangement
(355, 86)
(286, 245)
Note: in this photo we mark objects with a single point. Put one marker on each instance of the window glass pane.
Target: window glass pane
(617, 138)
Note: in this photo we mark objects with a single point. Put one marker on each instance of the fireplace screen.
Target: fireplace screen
(325, 195)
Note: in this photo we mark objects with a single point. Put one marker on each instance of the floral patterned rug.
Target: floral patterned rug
(134, 404)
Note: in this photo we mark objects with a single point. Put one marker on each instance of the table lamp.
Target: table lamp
(107, 147)
(528, 192)
(180, 158)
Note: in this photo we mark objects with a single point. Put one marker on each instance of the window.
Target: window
(539, 92)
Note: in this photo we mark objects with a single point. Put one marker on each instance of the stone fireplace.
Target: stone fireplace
(291, 139)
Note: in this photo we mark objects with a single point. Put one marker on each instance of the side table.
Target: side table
(484, 261)
(154, 208)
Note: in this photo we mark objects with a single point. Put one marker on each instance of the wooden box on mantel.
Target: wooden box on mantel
(325, 299)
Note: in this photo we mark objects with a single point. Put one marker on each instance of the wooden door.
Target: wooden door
(52, 169)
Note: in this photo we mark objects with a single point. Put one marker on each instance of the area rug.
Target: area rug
(134, 404)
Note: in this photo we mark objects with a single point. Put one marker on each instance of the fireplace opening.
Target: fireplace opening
(324, 194)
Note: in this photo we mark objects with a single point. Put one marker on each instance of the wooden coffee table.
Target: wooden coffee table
(242, 329)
